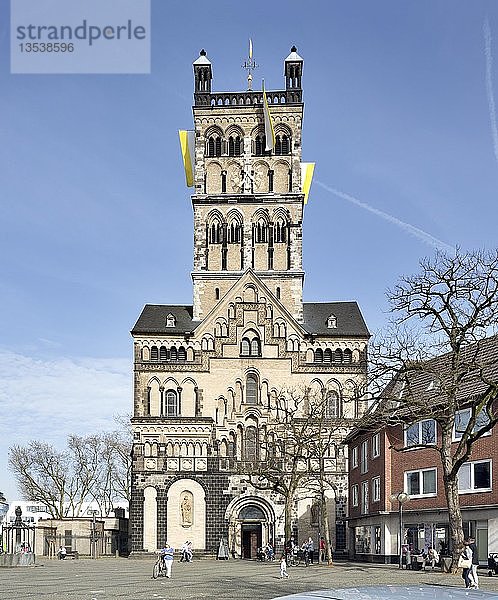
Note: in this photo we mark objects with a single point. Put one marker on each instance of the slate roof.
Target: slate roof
(350, 321)
(153, 319)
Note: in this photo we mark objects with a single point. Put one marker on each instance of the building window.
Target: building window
(251, 444)
(338, 355)
(252, 389)
(364, 457)
(234, 145)
(354, 495)
(422, 433)
(234, 232)
(475, 477)
(171, 404)
(163, 353)
(420, 483)
(250, 345)
(376, 489)
(215, 233)
(280, 231)
(154, 353)
(332, 322)
(354, 457)
(217, 293)
(333, 406)
(278, 293)
(261, 231)
(462, 418)
(319, 355)
(327, 355)
(376, 445)
(214, 146)
(364, 497)
(348, 356)
(182, 354)
(170, 320)
(270, 180)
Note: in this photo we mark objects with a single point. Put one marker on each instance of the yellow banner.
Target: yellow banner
(187, 143)
(306, 179)
(269, 132)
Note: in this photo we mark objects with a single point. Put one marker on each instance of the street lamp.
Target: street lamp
(401, 497)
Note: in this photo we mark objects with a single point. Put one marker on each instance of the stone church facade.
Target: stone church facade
(207, 375)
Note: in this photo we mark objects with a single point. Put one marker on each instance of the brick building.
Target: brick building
(207, 375)
(387, 460)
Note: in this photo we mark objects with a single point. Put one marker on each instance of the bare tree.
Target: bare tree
(93, 468)
(439, 358)
(298, 452)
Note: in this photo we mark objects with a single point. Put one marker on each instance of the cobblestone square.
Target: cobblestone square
(124, 579)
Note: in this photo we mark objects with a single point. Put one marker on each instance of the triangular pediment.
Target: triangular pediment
(249, 289)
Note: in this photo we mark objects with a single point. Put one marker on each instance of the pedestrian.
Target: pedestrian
(322, 549)
(408, 558)
(465, 562)
(62, 553)
(311, 548)
(475, 563)
(167, 557)
(283, 567)
(432, 558)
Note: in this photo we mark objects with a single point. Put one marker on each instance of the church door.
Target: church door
(251, 539)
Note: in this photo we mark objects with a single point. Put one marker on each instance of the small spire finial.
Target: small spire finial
(202, 52)
(293, 49)
(250, 65)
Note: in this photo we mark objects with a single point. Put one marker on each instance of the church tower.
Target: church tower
(213, 379)
(247, 201)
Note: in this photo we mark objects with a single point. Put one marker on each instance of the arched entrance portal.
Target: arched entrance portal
(252, 526)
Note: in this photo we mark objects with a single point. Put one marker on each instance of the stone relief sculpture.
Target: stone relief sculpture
(186, 508)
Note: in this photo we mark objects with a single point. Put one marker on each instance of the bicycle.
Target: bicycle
(159, 568)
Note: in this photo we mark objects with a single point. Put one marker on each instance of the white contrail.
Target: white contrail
(489, 85)
(425, 237)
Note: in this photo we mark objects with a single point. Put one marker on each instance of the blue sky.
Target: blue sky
(96, 219)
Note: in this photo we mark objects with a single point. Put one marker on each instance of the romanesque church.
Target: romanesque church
(208, 375)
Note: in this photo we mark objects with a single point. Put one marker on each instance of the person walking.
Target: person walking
(167, 556)
(311, 549)
(322, 549)
(283, 567)
(475, 564)
(466, 563)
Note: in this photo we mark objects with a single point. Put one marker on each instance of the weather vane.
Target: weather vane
(250, 65)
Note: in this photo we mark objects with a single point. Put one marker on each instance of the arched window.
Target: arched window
(278, 145)
(215, 233)
(216, 293)
(261, 231)
(182, 354)
(217, 147)
(245, 347)
(285, 144)
(163, 353)
(154, 353)
(173, 353)
(260, 145)
(234, 232)
(211, 147)
(171, 407)
(170, 320)
(278, 293)
(333, 406)
(338, 355)
(348, 356)
(332, 322)
(250, 345)
(319, 355)
(251, 443)
(327, 356)
(280, 231)
(234, 146)
(252, 394)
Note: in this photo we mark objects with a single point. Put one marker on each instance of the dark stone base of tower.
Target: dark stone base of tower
(225, 388)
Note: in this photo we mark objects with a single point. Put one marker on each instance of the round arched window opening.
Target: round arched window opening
(251, 513)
